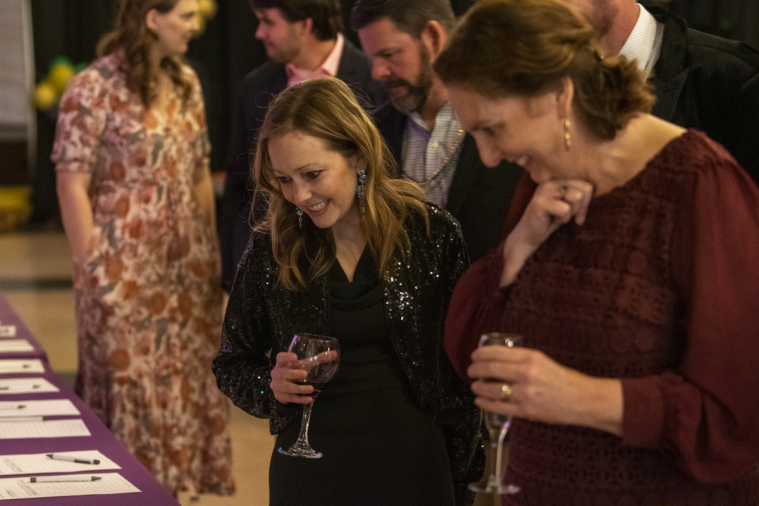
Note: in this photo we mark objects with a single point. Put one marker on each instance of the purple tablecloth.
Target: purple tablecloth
(152, 493)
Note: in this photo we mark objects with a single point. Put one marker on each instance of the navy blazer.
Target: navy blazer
(259, 87)
(710, 84)
(479, 196)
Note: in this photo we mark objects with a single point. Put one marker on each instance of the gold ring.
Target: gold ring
(506, 392)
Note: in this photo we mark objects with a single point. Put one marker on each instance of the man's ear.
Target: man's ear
(434, 37)
(306, 26)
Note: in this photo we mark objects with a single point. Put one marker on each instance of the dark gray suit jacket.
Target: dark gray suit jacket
(710, 84)
(479, 196)
(259, 87)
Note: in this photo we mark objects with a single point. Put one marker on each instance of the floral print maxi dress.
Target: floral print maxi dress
(149, 303)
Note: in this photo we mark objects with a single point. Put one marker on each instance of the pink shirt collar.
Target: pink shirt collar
(327, 68)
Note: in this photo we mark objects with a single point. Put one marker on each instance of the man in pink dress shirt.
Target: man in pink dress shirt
(303, 40)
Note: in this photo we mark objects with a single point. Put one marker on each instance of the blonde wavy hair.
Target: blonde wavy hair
(132, 36)
(326, 108)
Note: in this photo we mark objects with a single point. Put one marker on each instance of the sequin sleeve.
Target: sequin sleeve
(242, 367)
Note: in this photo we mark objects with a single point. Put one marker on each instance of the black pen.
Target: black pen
(71, 458)
(62, 479)
(6, 419)
(34, 387)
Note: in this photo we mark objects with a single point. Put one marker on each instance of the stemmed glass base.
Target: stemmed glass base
(301, 449)
(494, 484)
(494, 488)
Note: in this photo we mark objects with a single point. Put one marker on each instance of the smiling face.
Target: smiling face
(527, 131)
(175, 28)
(401, 63)
(319, 181)
(280, 37)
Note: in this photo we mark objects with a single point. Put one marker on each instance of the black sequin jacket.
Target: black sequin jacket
(261, 317)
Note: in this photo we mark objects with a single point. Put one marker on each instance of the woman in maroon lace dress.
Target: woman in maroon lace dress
(133, 178)
(631, 273)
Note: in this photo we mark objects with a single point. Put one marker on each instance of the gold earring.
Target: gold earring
(567, 137)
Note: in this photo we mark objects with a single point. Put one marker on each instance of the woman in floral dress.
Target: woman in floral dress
(134, 184)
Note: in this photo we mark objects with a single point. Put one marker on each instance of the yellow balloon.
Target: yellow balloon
(201, 27)
(45, 96)
(60, 75)
(207, 8)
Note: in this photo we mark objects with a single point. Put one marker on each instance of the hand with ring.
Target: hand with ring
(506, 392)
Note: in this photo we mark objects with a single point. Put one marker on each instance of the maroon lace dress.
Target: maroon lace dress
(660, 287)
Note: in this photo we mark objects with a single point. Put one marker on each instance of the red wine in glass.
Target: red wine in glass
(319, 356)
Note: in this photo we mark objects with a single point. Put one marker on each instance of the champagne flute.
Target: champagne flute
(319, 356)
(498, 427)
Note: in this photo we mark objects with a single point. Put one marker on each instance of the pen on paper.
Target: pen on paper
(23, 419)
(61, 479)
(5, 389)
(71, 458)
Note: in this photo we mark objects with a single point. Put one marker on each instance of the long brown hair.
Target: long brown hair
(133, 37)
(525, 47)
(327, 109)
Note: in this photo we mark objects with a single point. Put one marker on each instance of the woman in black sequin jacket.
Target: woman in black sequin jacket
(315, 144)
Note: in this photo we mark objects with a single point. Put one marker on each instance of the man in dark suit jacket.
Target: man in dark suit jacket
(710, 84)
(403, 38)
(303, 41)
(701, 81)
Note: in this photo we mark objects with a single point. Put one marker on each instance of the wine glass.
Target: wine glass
(498, 427)
(319, 356)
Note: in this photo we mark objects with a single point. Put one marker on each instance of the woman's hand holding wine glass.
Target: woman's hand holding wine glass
(299, 377)
(284, 377)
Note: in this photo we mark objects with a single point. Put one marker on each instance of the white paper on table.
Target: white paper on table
(8, 345)
(20, 488)
(7, 331)
(26, 386)
(21, 365)
(12, 409)
(40, 463)
(50, 428)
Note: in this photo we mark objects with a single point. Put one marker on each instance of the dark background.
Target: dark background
(228, 50)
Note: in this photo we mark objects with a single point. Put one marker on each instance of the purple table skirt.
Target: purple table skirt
(152, 493)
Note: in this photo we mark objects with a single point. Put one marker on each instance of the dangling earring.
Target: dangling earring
(360, 188)
(567, 137)
(300, 217)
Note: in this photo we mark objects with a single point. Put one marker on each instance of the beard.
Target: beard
(417, 92)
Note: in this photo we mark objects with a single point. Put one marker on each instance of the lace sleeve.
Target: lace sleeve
(705, 412)
(476, 307)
